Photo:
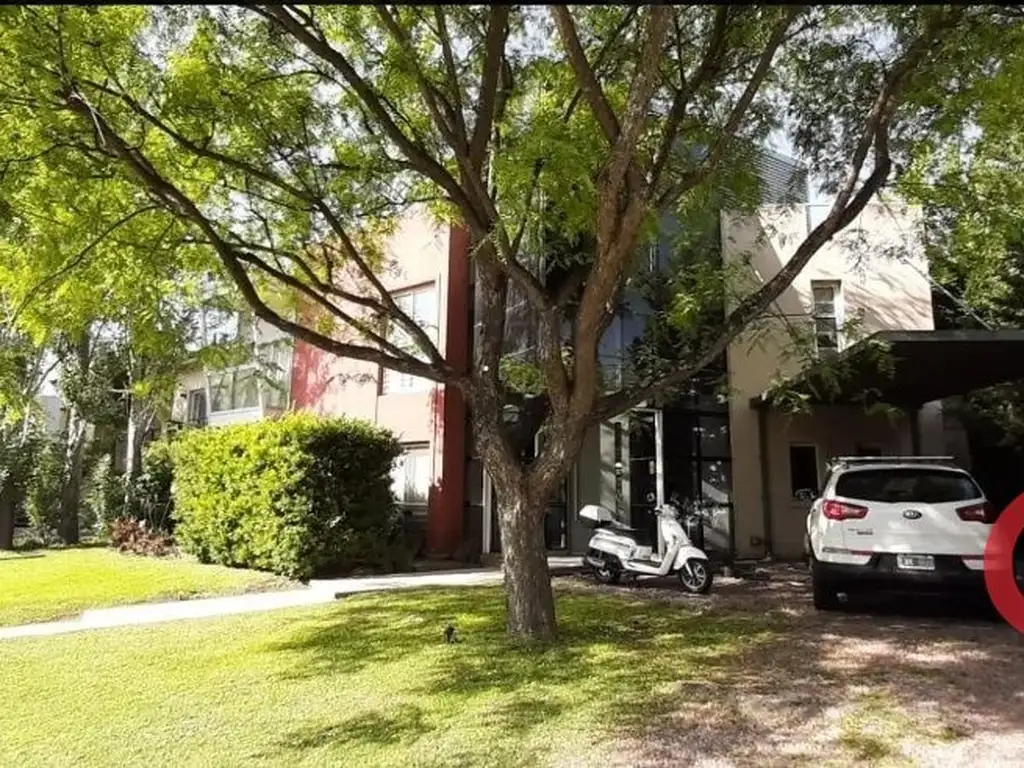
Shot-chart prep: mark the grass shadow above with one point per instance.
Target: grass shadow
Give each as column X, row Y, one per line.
column 611, row 658
column 402, row 723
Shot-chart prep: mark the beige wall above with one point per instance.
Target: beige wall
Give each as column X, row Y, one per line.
column 882, row 274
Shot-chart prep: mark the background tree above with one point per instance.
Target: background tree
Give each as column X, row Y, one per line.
column 23, row 369
column 287, row 139
column 970, row 184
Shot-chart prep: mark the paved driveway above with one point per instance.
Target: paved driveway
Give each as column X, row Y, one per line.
column 895, row 682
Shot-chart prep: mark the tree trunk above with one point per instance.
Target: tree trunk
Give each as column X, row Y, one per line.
column 530, row 603
column 8, row 504
column 133, row 449
column 71, row 493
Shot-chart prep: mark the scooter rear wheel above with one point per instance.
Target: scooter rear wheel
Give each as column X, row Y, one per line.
column 607, row 574
column 696, row 578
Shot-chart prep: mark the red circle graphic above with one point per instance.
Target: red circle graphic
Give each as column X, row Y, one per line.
column 999, row 577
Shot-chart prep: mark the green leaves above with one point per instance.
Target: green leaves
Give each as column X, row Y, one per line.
column 299, row 496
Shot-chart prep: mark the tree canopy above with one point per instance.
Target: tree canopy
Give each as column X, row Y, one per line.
column 283, row 142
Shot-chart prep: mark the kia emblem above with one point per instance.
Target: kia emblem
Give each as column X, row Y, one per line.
column 912, row 514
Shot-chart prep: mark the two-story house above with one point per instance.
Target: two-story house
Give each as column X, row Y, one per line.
column 733, row 450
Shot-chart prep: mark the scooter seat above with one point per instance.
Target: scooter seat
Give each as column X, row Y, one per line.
column 618, row 527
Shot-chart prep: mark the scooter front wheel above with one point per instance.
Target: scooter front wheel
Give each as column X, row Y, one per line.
column 695, row 576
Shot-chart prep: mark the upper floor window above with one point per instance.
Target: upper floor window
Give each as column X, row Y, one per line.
column 239, row 388
column 196, row 407
column 827, row 312
column 420, row 304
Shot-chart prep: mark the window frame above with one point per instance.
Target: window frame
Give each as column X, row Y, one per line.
column 196, row 411
column 836, row 316
column 252, row 369
column 391, row 382
column 424, row 452
column 818, row 484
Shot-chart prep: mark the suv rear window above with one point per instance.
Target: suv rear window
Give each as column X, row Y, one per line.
column 914, row 484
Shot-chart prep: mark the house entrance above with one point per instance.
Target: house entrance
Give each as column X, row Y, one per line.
column 683, row 449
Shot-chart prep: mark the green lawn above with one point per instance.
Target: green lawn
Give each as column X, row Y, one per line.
column 60, row 583
column 365, row 682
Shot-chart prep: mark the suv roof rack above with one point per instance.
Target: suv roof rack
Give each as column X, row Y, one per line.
column 892, row 460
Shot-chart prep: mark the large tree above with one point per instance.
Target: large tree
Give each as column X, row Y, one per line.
column 287, row 139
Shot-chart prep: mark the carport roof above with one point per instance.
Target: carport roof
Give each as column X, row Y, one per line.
column 921, row 366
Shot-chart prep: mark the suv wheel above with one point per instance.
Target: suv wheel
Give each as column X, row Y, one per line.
column 826, row 598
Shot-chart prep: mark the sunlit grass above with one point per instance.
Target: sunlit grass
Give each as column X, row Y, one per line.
column 52, row 584
column 369, row 681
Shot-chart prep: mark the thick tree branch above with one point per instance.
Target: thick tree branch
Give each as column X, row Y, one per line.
column 642, row 89
column 710, row 63
column 483, row 124
column 450, row 68
column 301, row 28
column 588, row 83
column 319, row 299
column 449, row 130
column 307, row 196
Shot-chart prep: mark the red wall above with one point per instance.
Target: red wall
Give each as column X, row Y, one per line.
column 444, row 523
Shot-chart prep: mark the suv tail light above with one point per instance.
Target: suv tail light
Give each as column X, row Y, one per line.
column 838, row 510
column 976, row 513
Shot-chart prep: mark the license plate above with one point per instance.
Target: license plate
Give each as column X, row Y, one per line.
column 915, row 562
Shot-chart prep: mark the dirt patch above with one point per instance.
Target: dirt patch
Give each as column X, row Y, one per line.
column 891, row 683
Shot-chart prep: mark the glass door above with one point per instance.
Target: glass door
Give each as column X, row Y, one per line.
column 645, row 471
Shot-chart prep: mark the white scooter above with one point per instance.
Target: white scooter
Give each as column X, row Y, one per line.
column 614, row 550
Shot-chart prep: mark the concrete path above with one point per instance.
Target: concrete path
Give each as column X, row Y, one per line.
column 319, row 591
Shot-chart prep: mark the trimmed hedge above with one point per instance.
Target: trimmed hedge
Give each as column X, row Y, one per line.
column 300, row 496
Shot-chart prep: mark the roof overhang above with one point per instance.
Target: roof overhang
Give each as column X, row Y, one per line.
column 910, row 368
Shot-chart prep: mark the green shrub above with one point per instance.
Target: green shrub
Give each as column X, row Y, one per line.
column 151, row 497
column 103, row 502
column 299, row 496
column 42, row 502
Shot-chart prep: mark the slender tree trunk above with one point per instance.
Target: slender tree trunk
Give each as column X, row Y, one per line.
column 71, row 493
column 133, row 449
column 74, row 452
column 8, row 505
column 530, row 602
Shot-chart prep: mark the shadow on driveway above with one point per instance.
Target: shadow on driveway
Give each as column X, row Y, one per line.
column 890, row 680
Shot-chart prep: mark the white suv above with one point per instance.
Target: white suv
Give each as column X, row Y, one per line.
column 896, row 522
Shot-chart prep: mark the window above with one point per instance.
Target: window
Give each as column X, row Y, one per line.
column 246, row 394
column 913, row 484
column 826, row 317
column 275, row 364
column 803, row 469
column 196, row 411
column 420, row 305
column 220, row 392
column 239, row 388
column 410, row 477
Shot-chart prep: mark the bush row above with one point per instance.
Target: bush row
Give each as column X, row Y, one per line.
column 300, row 496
